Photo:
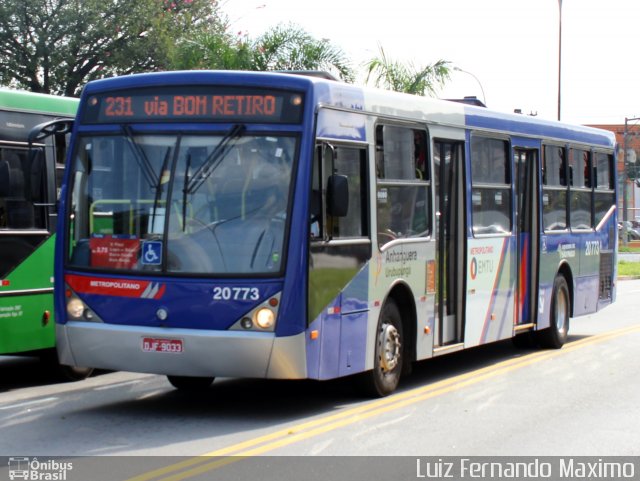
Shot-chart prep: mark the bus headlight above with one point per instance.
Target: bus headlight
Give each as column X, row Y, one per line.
column 265, row 318
column 261, row 318
column 75, row 308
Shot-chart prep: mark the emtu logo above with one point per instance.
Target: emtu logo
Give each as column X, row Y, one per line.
column 474, row 269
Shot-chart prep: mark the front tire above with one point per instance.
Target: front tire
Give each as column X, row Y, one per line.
column 62, row 372
column 384, row 378
column 73, row 373
column 555, row 335
column 188, row 383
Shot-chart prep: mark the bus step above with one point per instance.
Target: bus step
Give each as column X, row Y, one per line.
column 439, row 351
column 523, row 327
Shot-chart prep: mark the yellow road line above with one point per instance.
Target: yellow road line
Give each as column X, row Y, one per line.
column 285, row 437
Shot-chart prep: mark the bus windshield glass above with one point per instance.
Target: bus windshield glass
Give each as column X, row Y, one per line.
column 184, row 204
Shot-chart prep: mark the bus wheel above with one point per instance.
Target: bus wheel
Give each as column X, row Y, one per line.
column 74, row 373
column 61, row 372
column 188, row 383
column 556, row 334
column 383, row 379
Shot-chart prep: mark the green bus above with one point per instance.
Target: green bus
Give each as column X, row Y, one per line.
column 30, row 179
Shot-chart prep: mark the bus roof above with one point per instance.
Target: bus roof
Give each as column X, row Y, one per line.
column 331, row 93
column 23, row 101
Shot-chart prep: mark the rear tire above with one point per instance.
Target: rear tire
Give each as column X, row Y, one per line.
column 384, row 378
column 555, row 335
column 188, row 383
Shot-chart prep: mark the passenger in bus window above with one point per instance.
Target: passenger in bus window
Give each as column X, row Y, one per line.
column 587, row 169
column 497, row 172
column 562, row 166
column 420, row 154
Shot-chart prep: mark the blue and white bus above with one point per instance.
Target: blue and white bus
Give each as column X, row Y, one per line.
column 269, row 225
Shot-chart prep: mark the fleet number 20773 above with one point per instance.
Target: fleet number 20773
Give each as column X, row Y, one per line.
column 236, row 293
column 593, row 248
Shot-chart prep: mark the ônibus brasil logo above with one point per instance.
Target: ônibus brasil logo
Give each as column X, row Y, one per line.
column 32, row 469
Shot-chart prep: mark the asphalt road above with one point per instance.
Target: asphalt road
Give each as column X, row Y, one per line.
column 494, row 400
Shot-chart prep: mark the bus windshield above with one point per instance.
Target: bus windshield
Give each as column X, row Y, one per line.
column 192, row 204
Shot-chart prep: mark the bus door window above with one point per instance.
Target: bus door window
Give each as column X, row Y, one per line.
column 61, row 144
column 344, row 161
column 403, row 180
column 332, row 263
column 527, row 232
column 22, row 190
column 316, row 211
column 450, row 239
column 554, row 180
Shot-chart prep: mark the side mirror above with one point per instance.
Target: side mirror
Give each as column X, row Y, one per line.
column 47, row 129
column 338, row 195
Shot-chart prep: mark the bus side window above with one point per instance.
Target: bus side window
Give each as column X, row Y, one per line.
column 490, row 186
column 22, row 187
column 554, row 197
column 604, row 192
column 580, row 186
column 403, row 183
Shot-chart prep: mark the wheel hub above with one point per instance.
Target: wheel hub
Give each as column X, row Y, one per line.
column 389, row 347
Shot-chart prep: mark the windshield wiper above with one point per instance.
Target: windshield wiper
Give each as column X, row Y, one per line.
column 184, row 194
column 141, row 157
column 158, row 194
column 213, row 160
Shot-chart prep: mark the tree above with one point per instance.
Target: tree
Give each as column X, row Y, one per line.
column 283, row 47
column 400, row 77
column 288, row 47
column 55, row 46
column 213, row 49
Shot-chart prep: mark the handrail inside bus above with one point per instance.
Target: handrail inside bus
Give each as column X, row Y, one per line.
column 93, row 214
column 605, row 218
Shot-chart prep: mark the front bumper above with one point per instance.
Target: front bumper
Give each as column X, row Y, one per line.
column 205, row 353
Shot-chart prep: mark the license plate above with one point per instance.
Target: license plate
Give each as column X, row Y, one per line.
column 152, row 344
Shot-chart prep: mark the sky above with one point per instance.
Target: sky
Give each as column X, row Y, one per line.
column 507, row 49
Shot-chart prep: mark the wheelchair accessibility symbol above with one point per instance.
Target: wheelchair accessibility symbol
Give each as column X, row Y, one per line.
column 151, row 253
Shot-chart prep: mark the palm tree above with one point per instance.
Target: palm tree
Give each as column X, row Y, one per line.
column 393, row 75
column 283, row 47
column 289, row 47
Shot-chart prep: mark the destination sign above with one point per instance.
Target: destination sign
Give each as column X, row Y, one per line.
column 207, row 104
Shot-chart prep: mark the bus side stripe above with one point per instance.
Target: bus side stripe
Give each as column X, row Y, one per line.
column 494, row 293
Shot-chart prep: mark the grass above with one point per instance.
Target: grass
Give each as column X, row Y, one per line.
column 628, row 268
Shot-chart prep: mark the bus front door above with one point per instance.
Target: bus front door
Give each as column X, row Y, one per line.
column 450, row 238
column 527, row 232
